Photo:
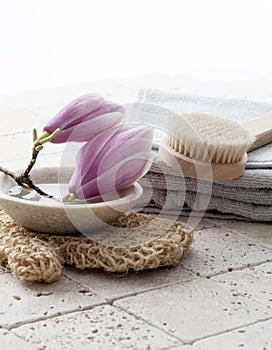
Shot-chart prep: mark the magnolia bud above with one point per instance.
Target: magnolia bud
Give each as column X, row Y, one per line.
column 112, row 161
column 84, row 118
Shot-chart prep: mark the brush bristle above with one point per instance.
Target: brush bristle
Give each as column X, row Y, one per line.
column 207, row 137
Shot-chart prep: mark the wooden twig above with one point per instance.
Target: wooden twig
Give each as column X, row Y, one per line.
column 24, row 179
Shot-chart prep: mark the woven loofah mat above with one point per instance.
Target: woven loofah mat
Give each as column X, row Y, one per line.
column 136, row 242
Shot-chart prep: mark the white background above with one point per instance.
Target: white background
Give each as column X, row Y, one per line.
column 57, row 42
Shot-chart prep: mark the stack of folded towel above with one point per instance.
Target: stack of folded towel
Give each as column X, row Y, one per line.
column 249, row 197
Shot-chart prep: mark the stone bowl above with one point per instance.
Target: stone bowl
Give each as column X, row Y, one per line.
column 56, row 217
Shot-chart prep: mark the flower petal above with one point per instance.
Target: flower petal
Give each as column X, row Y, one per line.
column 112, row 161
column 73, row 111
column 117, row 178
column 88, row 129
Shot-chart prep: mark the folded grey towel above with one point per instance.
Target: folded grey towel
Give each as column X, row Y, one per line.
column 249, row 197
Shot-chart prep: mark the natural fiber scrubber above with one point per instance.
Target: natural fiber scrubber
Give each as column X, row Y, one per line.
column 137, row 242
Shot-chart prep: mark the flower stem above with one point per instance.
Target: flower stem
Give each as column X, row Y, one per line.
column 38, row 146
column 35, row 153
column 8, row 172
column 27, row 182
column 24, row 179
column 69, row 197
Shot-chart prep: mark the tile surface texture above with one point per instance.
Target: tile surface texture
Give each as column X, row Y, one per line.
column 217, row 250
column 253, row 337
column 260, row 232
column 195, row 309
column 103, row 327
column 112, row 287
column 24, row 302
column 253, row 283
column 9, row 341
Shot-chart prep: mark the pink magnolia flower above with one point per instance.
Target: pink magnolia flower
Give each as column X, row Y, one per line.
column 112, row 161
column 83, row 118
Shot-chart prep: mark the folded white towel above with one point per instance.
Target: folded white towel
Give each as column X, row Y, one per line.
column 250, row 196
column 235, row 109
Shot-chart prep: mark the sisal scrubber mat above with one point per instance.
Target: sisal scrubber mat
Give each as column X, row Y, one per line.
column 136, row 242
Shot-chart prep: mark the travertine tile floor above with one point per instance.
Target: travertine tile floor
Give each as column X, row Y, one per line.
column 218, row 297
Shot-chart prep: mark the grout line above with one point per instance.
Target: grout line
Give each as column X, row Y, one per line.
column 226, row 286
column 184, row 342
column 60, row 313
column 155, row 288
column 14, row 133
column 212, row 335
column 27, row 158
column 254, row 240
column 242, row 269
column 148, row 322
column 228, row 331
column 235, row 268
column 132, row 294
column 57, row 314
column 112, row 300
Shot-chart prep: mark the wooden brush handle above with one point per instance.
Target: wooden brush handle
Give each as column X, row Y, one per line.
column 261, row 128
column 198, row 169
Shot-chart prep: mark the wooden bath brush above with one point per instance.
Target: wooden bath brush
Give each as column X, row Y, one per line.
column 213, row 148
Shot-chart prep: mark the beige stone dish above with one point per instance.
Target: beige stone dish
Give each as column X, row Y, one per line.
column 56, row 217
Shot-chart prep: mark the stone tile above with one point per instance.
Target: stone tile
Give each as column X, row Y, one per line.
column 260, row 232
column 19, row 146
column 254, row 282
column 22, row 302
column 103, row 327
column 15, row 164
column 9, row 341
column 51, row 155
column 257, row 336
column 195, row 309
column 112, row 286
column 24, row 113
column 24, row 119
column 207, row 223
column 16, row 146
column 194, row 221
column 217, row 250
column 44, row 160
